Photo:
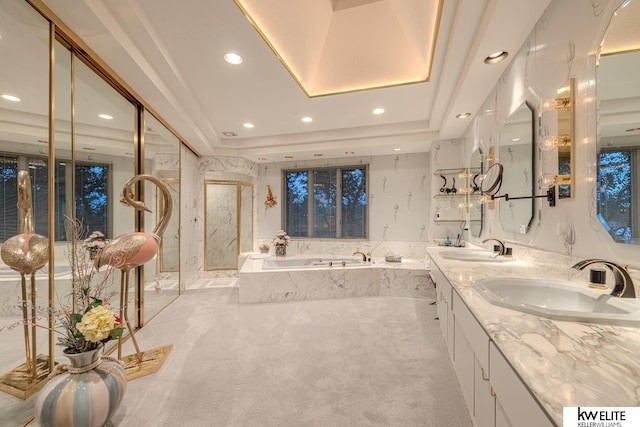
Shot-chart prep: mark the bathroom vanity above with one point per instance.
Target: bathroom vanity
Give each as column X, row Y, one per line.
column 516, row 368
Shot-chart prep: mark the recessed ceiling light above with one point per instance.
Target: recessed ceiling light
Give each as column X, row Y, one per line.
column 89, row 148
column 397, row 149
column 496, row 57
column 233, row 58
column 262, row 158
column 11, row 98
column 317, row 155
column 516, row 139
column 229, row 134
column 307, row 119
column 288, row 157
column 348, row 152
column 463, row 115
column 378, row 111
column 44, row 141
column 248, row 125
column 105, row 116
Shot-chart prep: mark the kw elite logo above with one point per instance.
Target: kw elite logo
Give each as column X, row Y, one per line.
column 601, row 417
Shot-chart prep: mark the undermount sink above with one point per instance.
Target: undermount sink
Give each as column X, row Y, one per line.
column 473, row 256
column 559, row 300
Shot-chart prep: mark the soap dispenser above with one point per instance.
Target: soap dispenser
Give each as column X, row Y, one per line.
column 447, row 241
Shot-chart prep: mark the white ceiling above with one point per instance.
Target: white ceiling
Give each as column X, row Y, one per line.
column 171, row 53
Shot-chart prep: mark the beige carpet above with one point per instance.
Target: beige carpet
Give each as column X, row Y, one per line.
column 348, row 362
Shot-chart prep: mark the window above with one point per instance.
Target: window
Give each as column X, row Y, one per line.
column 91, row 195
column 326, row 202
column 615, row 193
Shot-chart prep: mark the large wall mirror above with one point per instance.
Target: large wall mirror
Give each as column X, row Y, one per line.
column 162, row 160
column 77, row 169
column 618, row 100
column 24, row 138
column 475, row 210
column 516, row 156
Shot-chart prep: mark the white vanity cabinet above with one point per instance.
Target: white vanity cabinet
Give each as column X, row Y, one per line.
column 518, row 406
column 443, row 298
column 495, row 395
column 471, row 360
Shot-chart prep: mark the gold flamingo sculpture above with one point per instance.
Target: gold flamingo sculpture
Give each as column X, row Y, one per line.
column 132, row 250
column 26, row 253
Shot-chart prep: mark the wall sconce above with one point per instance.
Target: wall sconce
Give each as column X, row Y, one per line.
column 271, row 201
column 563, row 142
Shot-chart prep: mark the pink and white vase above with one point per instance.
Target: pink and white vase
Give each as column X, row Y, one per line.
column 88, row 398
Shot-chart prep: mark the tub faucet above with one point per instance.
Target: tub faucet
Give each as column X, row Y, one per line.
column 500, row 243
column 623, row 287
column 364, row 256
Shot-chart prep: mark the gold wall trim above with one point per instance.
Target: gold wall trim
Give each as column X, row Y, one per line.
column 51, row 201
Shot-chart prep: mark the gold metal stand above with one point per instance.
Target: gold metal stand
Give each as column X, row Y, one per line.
column 142, row 363
column 28, row 378
column 152, row 361
column 24, row 383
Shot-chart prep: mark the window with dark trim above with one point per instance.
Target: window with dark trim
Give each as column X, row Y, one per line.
column 326, row 202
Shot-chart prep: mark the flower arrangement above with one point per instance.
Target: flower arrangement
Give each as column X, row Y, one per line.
column 282, row 238
column 91, row 322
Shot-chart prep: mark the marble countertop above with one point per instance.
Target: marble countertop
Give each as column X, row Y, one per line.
column 562, row 363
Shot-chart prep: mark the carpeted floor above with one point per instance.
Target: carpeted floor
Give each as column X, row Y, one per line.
column 346, row 362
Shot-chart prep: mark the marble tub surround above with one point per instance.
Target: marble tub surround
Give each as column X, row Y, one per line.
column 408, row 278
column 563, row 364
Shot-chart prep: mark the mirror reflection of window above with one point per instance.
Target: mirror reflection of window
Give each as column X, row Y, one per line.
column 615, row 190
column 618, row 97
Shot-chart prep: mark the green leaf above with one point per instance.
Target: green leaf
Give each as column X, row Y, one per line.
column 116, row 333
column 75, row 318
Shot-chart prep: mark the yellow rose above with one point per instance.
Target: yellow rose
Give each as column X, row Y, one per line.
column 97, row 323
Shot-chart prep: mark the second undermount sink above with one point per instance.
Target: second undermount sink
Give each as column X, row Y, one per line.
column 559, row 300
column 473, row 255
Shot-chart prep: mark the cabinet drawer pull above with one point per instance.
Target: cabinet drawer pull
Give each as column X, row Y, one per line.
column 484, row 377
column 493, row 393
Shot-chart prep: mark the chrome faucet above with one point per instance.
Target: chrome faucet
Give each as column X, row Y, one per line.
column 364, row 256
column 500, row 243
column 623, row 287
